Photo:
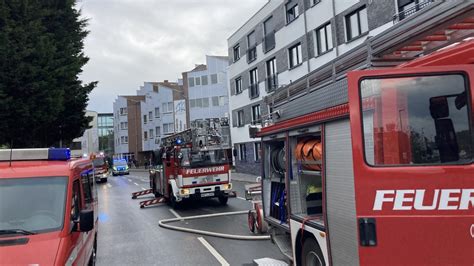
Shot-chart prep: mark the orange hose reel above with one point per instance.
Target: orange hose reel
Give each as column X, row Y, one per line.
column 309, row 150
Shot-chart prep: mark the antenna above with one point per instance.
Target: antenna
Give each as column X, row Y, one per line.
column 11, row 152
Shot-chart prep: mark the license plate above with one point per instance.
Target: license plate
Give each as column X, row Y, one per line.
column 203, row 195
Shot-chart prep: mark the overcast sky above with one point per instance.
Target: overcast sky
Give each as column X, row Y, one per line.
column 132, row 41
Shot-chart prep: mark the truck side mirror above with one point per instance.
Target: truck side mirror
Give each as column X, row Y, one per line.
column 86, row 220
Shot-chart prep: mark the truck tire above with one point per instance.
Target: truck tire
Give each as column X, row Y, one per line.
column 173, row 203
column 311, row 253
column 223, row 200
column 251, row 221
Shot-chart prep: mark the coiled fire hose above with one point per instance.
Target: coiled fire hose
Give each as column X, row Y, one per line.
column 164, row 223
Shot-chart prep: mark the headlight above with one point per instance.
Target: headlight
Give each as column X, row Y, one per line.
column 227, row 186
column 184, row 191
column 115, row 168
column 126, row 167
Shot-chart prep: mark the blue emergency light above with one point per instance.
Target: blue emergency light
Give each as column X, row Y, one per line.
column 179, row 141
column 59, row 154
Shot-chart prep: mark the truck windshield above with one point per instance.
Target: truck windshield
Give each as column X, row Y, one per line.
column 33, row 204
column 120, row 163
column 204, row 158
column 98, row 162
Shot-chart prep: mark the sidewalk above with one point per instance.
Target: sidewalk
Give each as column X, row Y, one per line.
column 234, row 175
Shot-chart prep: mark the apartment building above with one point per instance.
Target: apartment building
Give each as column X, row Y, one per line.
column 89, row 141
column 206, row 89
column 142, row 120
column 287, row 39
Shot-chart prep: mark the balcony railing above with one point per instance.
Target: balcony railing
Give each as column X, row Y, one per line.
column 272, row 83
column 253, row 91
column 252, row 54
column 412, row 10
column 269, row 42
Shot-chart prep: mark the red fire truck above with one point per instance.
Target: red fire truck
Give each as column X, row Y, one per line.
column 48, row 208
column 375, row 166
column 191, row 164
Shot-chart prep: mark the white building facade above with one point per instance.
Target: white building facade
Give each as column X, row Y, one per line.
column 206, row 87
column 283, row 42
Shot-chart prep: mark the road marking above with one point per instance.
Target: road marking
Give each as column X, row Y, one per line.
column 175, row 213
column 143, row 188
column 213, row 251
column 129, row 180
column 241, row 198
column 109, row 185
column 136, row 184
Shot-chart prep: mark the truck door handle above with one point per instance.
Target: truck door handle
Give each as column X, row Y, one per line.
column 367, row 232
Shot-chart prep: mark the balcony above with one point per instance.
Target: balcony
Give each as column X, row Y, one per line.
column 411, row 10
column 253, row 91
column 252, row 54
column 269, row 42
column 271, row 83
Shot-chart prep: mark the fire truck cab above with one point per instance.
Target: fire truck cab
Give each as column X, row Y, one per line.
column 376, row 166
column 48, row 207
column 194, row 163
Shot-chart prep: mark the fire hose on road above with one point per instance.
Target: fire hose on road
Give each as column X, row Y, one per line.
column 164, row 224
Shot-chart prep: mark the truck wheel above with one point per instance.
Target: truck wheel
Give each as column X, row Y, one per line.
column 251, row 221
column 173, row 203
column 223, row 200
column 311, row 253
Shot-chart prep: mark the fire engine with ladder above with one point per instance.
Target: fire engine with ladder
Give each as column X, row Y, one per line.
column 368, row 160
column 192, row 164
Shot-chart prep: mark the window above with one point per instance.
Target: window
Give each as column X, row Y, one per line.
column 167, row 107
column 124, row 139
column 145, row 135
column 123, row 125
column 221, row 100
column 158, row 131
column 292, row 11
column 168, row 128
column 252, row 47
column 150, row 116
column 356, row 23
column 314, row 2
column 214, row 79
column 215, row 101
column 152, row 135
column 157, row 112
column 238, row 85
column 204, row 80
column 199, row 102
column 76, row 201
column 295, row 55
column 417, row 120
column 86, row 187
column 256, row 113
column 324, row 39
column 236, row 52
column 253, row 90
column 242, row 152
column 240, row 118
column 205, row 102
column 123, row 111
column 191, row 82
column 269, row 34
column 407, row 8
column 272, row 79
column 192, row 103
column 144, row 119
column 198, row 81
column 257, row 150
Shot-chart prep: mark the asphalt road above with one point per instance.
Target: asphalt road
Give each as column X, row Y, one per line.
column 129, row 235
